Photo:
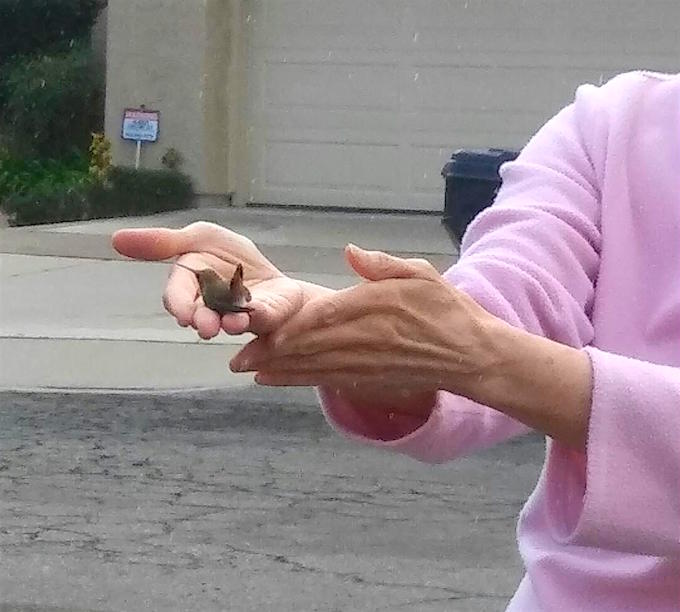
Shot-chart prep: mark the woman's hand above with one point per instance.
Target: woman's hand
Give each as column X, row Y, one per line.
column 407, row 329
column 276, row 297
column 391, row 344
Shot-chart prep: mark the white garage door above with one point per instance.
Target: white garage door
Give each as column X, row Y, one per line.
column 359, row 103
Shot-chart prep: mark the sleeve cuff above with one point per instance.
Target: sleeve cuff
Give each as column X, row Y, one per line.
column 400, row 433
column 624, row 493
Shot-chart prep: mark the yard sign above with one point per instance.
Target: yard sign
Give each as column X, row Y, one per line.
column 140, row 125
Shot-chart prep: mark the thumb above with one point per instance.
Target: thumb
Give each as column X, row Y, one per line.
column 158, row 243
column 378, row 265
column 148, row 243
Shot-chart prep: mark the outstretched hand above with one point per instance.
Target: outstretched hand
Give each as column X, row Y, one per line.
column 275, row 296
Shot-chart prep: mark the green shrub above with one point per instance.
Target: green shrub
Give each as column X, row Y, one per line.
column 42, row 26
column 20, row 176
column 44, row 191
column 140, row 192
column 34, row 191
column 53, row 206
column 52, row 104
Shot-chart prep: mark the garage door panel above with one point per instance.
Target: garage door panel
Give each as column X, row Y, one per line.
column 442, row 126
column 331, row 86
column 425, row 166
column 338, row 125
column 574, row 15
column 346, row 166
column 359, row 199
column 380, row 14
column 469, row 88
column 303, row 38
column 305, row 24
column 360, row 103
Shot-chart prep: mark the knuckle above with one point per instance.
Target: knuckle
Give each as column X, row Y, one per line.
column 384, row 260
column 422, row 265
column 202, row 233
column 200, row 226
column 328, row 314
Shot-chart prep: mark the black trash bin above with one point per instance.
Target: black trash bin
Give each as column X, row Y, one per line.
column 472, row 181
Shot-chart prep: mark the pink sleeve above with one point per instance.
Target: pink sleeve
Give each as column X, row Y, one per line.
column 630, row 500
column 530, row 259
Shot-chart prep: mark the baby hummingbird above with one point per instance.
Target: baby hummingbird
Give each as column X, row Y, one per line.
column 218, row 294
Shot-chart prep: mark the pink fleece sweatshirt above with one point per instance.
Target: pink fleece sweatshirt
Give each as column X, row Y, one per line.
column 583, row 246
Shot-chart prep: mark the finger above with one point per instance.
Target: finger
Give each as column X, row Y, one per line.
column 352, row 359
column 327, row 313
column 253, row 351
column 206, row 322
column 160, row 243
column 378, row 265
column 315, row 378
column 181, row 295
column 364, row 334
column 236, row 323
column 150, row 244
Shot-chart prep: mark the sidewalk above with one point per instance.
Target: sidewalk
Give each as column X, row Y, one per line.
column 74, row 314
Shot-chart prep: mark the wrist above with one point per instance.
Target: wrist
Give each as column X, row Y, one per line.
column 475, row 371
column 544, row 384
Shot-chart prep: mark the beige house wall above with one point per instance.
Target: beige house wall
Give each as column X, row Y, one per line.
column 182, row 58
column 248, row 95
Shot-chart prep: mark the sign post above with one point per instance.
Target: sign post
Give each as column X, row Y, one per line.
column 140, row 125
column 138, row 154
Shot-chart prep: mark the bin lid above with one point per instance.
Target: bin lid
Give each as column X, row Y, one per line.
column 478, row 163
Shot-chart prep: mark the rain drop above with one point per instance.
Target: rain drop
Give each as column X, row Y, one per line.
column 416, row 76
column 416, row 36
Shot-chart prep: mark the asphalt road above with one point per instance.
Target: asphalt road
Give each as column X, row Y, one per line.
column 243, row 500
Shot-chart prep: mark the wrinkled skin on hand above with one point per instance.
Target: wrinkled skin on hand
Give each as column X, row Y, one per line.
column 407, row 328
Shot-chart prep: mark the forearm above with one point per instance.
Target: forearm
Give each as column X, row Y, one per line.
column 538, row 382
